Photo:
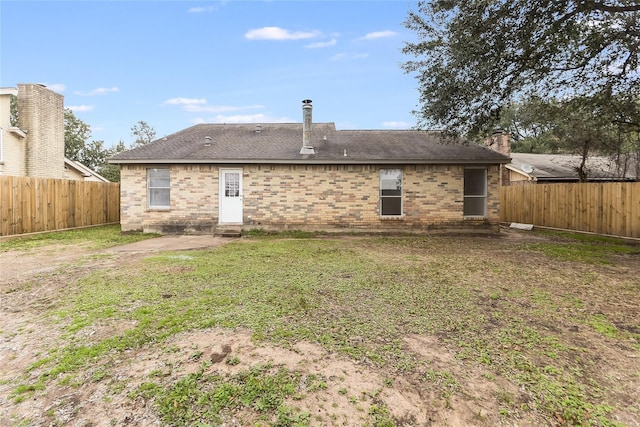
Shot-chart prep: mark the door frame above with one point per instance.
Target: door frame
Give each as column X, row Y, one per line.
column 237, row 217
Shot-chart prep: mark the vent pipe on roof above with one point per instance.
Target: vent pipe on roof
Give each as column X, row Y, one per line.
column 306, row 127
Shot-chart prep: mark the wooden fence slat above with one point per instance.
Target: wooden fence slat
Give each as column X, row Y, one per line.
column 6, row 206
column 30, row 204
column 605, row 208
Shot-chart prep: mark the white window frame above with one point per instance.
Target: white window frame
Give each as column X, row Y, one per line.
column 383, row 197
column 167, row 188
column 469, row 197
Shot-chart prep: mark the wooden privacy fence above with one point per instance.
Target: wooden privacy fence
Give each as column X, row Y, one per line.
column 604, row 208
column 29, row 205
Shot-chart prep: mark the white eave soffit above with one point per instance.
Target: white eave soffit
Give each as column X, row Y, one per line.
column 19, row 132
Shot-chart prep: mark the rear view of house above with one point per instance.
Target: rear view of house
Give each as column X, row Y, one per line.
column 308, row 176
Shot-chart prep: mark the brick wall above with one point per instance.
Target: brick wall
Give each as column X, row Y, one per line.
column 310, row 197
column 14, row 154
column 500, row 141
column 42, row 117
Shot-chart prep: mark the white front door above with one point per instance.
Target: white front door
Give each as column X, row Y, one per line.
column 230, row 196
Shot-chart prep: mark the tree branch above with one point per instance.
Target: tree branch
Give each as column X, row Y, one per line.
column 602, row 7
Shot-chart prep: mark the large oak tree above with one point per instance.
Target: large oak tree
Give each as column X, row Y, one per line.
column 473, row 58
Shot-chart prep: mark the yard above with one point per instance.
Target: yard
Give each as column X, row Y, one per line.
column 526, row 328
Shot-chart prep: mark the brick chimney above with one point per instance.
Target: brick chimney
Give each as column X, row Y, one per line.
column 41, row 117
column 306, row 127
column 500, row 141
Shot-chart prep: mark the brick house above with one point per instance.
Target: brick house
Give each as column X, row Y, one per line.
column 308, row 176
column 35, row 145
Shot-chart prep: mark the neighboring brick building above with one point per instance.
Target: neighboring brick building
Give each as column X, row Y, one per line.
column 310, row 177
column 35, row 147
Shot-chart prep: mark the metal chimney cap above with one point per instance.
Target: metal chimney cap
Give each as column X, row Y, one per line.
column 306, row 101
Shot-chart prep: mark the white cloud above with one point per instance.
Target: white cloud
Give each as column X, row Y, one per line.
column 276, row 33
column 339, row 56
column 250, row 118
column 218, row 108
column 56, row 87
column 317, row 45
column 77, row 108
column 185, row 101
column 201, row 9
column 392, row 124
column 198, row 121
column 242, row 118
column 342, row 56
column 378, row 35
column 198, row 105
column 98, row 91
column 210, row 8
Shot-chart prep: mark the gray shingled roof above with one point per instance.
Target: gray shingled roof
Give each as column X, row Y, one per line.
column 281, row 143
column 563, row 167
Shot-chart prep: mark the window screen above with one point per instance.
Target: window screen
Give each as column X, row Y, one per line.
column 475, row 192
column 390, row 192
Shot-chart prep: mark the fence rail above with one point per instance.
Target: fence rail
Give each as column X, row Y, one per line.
column 602, row 208
column 29, row 205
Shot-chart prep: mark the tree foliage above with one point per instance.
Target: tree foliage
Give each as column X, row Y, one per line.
column 473, row 58
column 108, row 170
column 582, row 126
column 530, row 124
column 143, row 133
column 13, row 111
column 76, row 135
column 93, row 154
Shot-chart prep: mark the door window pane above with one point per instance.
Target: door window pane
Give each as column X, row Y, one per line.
column 232, row 184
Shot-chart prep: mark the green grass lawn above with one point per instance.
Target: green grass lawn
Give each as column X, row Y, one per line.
column 99, row 237
column 508, row 307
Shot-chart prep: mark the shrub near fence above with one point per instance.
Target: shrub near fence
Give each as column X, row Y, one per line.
column 604, row 208
column 29, row 205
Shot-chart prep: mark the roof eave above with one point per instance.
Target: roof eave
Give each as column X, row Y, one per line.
column 314, row 161
column 515, row 169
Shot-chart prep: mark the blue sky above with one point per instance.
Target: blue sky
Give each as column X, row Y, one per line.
column 174, row 64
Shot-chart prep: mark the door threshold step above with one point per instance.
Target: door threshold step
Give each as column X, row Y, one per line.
column 228, row 232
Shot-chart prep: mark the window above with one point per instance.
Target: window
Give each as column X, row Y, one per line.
column 158, row 185
column 232, row 184
column 475, row 192
column 390, row 192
